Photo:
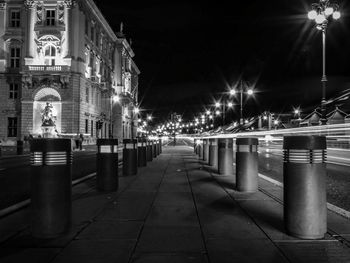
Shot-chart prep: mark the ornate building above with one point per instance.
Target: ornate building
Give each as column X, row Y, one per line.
column 63, row 52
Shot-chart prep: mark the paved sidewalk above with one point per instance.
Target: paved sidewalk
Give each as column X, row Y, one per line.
column 177, row 210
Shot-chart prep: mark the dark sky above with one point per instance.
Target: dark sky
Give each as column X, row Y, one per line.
column 190, row 52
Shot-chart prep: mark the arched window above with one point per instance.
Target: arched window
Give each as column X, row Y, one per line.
column 50, row 55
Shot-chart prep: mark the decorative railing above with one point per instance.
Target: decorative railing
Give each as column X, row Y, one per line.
column 48, row 68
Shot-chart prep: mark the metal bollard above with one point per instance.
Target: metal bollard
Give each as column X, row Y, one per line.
column 51, row 187
column 200, row 149
column 130, row 157
column 304, row 176
column 157, row 147
column 213, row 152
column 107, row 165
column 154, row 149
column 149, row 151
column 20, row 147
column 247, row 164
column 225, row 157
column 142, row 152
column 206, row 150
column 195, row 149
column 160, row 146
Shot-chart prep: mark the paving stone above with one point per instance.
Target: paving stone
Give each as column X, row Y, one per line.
column 131, row 210
column 244, row 251
column 170, row 258
column 104, row 230
column 174, row 199
column 172, row 216
column 171, row 187
column 250, row 196
column 170, row 239
column 316, row 252
column 96, row 251
column 28, row 255
column 229, row 226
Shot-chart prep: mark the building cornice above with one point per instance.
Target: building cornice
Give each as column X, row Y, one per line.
column 98, row 15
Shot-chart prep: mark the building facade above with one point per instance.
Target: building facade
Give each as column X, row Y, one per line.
column 63, row 54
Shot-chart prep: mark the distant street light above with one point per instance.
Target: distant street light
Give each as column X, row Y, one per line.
column 321, row 13
column 241, row 91
column 223, row 105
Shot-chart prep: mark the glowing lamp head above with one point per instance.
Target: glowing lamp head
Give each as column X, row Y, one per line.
column 328, row 11
column 217, row 113
column 208, row 112
column 250, row 92
column 336, row 15
column 296, row 112
column 320, row 19
column 230, row 104
column 276, row 122
column 116, row 98
column 217, row 104
column 265, row 118
column 232, row 92
column 210, row 117
column 137, row 110
column 312, row 15
column 149, row 118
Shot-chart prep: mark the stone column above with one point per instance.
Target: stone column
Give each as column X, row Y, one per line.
column 69, row 4
column 30, row 5
column 2, row 29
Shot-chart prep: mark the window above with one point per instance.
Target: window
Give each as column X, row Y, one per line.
column 92, row 128
column 86, row 126
column 101, row 42
column 50, row 55
column 15, row 18
column 13, row 91
column 87, row 27
column 98, row 99
column 12, row 127
column 15, row 56
column 50, row 17
column 87, row 93
column 92, row 96
column 92, row 34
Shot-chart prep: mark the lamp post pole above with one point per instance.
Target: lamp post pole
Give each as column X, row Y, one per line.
column 324, row 77
column 241, row 103
column 321, row 13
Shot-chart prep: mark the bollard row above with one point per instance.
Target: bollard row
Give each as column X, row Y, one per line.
column 51, row 177
column 304, row 176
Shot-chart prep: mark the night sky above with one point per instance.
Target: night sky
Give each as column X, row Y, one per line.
column 190, row 53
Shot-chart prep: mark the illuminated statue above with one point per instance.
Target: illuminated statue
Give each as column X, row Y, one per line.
column 48, row 125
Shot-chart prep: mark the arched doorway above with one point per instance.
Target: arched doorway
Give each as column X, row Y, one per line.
column 41, row 98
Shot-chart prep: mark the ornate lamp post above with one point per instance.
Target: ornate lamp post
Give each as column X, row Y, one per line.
column 321, row 13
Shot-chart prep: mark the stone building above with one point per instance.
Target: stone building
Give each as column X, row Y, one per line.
column 63, row 52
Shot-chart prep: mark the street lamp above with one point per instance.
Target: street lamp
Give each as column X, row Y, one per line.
column 223, row 105
column 241, row 91
column 321, row 13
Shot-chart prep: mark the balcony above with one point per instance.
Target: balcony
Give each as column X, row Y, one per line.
column 50, row 69
column 126, row 97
